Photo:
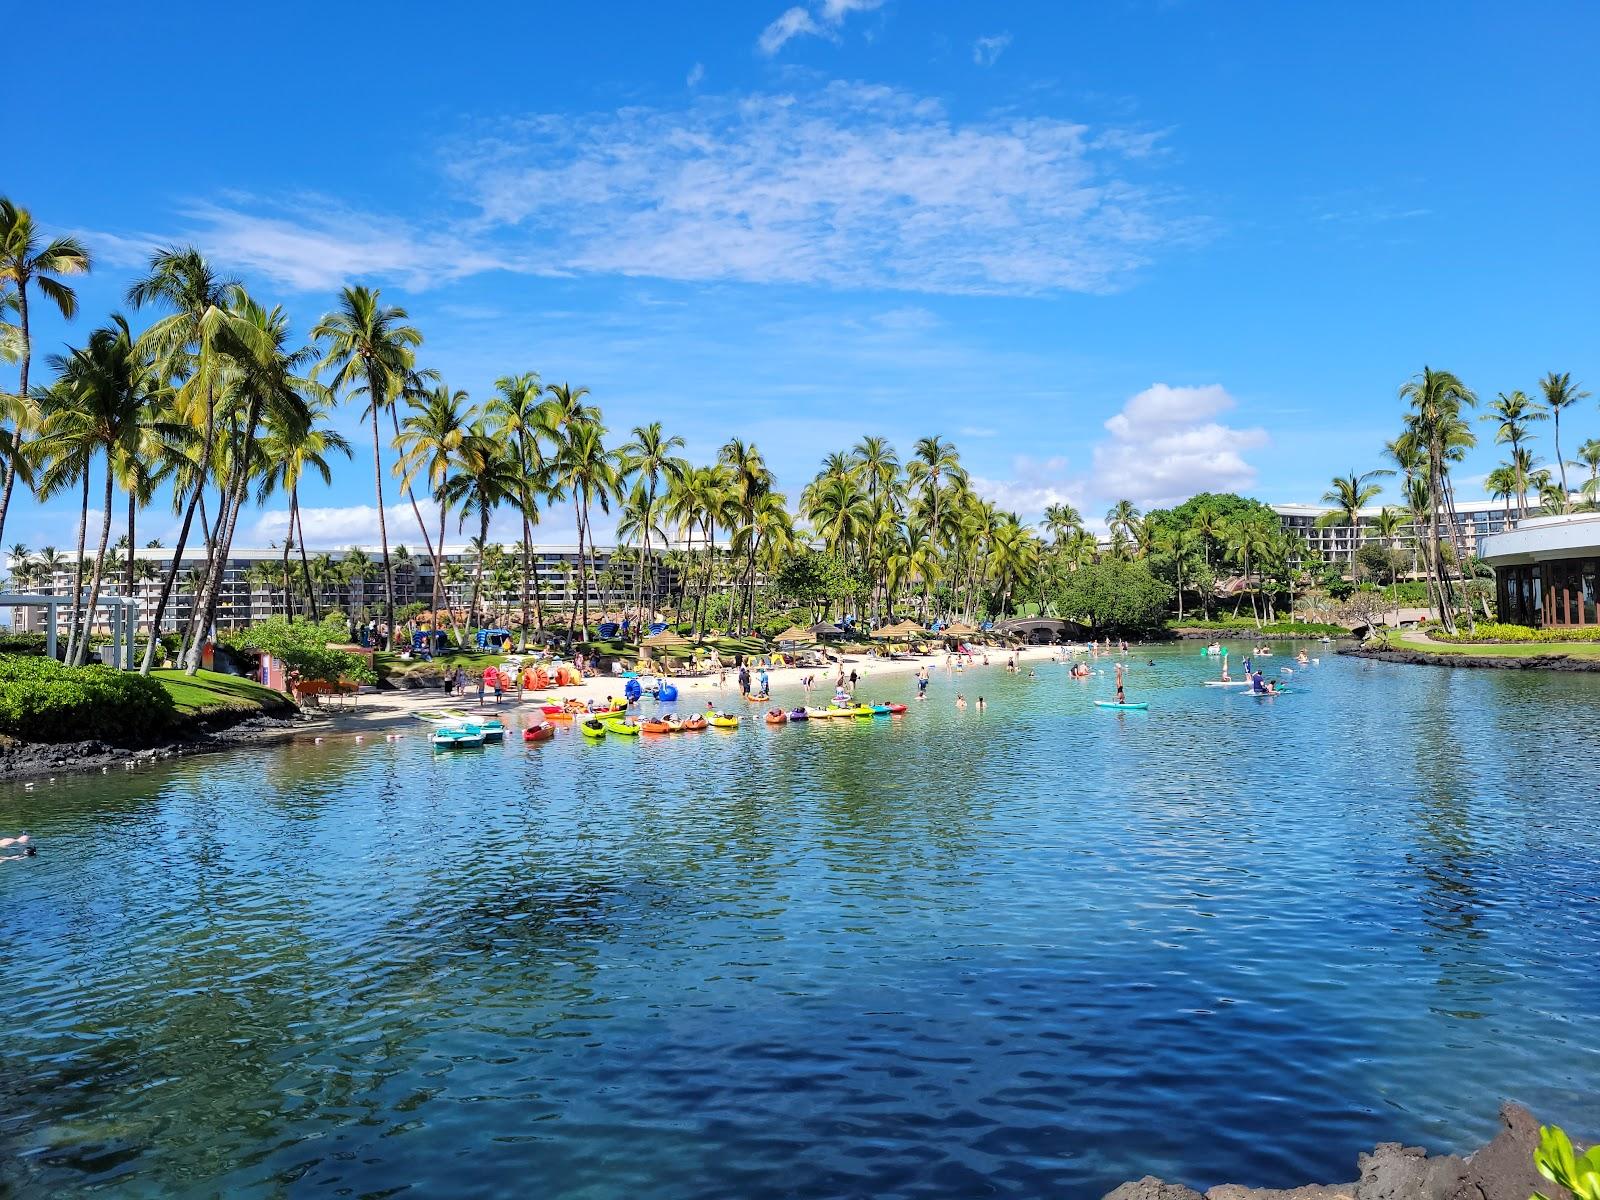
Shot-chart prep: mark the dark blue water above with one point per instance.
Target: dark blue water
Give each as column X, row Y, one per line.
column 1032, row 952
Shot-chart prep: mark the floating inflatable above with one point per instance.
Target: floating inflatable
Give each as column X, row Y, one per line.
column 776, row 716
column 621, row 727
column 723, row 721
column 694, row 724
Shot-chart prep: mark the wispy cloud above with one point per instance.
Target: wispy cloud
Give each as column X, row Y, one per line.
column 1035, row 485
column 1165, row 445
column 976, row 431
column 987, row 50
column 820, row 20
column 845, row 186
column 697, row 74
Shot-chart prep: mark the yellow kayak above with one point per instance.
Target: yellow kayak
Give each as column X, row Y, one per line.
column 723, row 721
column 820, row 714
column 618, row 725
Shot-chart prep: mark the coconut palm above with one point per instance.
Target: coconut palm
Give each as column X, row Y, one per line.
column 517, row 413
column 749, row 480
column 1512, row 413
column 488, row 477
column 651, row 458
column 1560, row 393
column 583, row 468
column 371, row 352
column 934, row 462
column 1589, row 456
column 26, row 258
column 294, row 442
column 20, row 563
column 1122, row 522
column 1348, row 495
column 1439, row 434
column 430, row 443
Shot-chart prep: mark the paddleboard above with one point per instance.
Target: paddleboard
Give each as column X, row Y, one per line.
column 1230, row 683
column 1114, row 704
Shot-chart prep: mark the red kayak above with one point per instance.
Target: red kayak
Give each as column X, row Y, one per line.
column 538, row 733
column 896, row 709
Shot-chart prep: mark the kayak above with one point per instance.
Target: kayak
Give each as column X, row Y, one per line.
column 538, row 733
column 655, row 725
column 880, row 710
column 895, row 709
column 593, row 729
column 1267, row 695
column 723, row 721
column 862, row 710
column 619, row 726
column 819, row 714
column 673, row 724
column 1127, row 707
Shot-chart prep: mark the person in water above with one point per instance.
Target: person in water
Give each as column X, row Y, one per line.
column 1256, row 684
column 961, row 701
column 982, row 704
column 1121, row 696
column 23, row 849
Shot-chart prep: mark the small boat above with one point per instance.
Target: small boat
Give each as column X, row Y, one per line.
column 723, row 721
column 592, row 728
column 1143, row 704
column 895, row 709
column 493, row 730
column 456, row 737
column 860, row 710
column 880, row 710
column 621, row 726
column 776, row 716
column 799, row 714
column 819, row 714
column 655, row 725
column 539, row 733
column 694, row 724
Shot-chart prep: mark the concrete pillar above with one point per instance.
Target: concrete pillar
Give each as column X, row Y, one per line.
column 50, row 634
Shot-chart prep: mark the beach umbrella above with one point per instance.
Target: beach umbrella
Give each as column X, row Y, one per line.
column 665, row 640
column 957, row 630
column 826, row 629
column 901, row 630
column 795, row 634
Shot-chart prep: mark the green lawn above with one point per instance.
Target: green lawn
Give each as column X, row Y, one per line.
column 1411, row 640
column 208, row 691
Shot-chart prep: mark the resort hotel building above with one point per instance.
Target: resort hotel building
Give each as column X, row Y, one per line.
column 1476, row 521
column 252, row 589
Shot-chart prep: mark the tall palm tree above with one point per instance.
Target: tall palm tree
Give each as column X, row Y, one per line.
column 430, row 443
column 488, row 478
column 97, row 408
column 1589, row 456
column 1348, row 495
column 749, row 480
column 650, row 458
column 1440, row 434
column 372, row 353
column 934, row 462
column 1512, row 414
column 294, row 442
column 517, row 412
column 1122, row 523
column 586, row 470
column 25, row 257
column 185, row 342
column 1560, row 393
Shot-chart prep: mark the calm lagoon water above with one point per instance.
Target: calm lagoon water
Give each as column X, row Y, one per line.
column 1031, row 953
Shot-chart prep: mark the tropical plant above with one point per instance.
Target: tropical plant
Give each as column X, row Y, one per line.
column 1560, row 394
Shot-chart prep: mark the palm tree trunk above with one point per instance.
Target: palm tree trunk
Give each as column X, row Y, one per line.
column 132, row 516
column 171, row 579
column 305, row 561
column 527, row 569
column 477, row 575
column 99, row 564
column 77, row 574
column 383, row 525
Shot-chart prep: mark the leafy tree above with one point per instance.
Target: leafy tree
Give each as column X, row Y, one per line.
column 1114, row 596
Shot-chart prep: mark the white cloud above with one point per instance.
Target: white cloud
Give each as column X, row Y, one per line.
column 976, row 431
column 986, row 50
column 846, row 185
column 1034, row 486
column 696, row 74
column 793, row 23
column 339, row 527
column 799, row 21
column 1165, row 445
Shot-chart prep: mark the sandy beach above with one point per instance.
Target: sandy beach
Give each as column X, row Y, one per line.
column 388, row 709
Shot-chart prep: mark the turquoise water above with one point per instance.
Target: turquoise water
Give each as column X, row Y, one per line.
column 1031, row 952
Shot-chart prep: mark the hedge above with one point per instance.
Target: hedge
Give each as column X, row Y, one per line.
column 1244, row 626
column 1491, row 631
column 43, row 701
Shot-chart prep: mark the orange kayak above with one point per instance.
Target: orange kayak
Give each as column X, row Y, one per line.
column 694, row 724
column 655, row 726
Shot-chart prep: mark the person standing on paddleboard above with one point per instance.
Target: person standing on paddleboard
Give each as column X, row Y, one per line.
column 1121, row 698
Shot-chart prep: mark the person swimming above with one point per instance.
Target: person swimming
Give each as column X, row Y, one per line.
column 981, row 704
column 24, row 850
column 961, row 701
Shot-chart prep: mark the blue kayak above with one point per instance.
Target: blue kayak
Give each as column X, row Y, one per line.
column 1125, row 707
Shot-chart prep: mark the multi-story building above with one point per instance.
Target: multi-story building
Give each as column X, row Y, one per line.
column 248, row 596
column 1475, row 521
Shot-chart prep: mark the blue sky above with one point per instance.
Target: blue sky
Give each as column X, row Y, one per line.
column 1112, row 249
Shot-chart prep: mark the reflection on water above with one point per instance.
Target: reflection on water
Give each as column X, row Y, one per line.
column 1037, row 951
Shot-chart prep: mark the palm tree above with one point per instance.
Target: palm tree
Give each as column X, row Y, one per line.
column 1439, row 434
column 97, row 407
column 371, row 352
column 26, row 258
column 487, row 479
column 1122, row 523
column 933, row 462
column 1349, row 494
column 518, row 414
column 749, row 481
column 185, row 342
column 1513, row 413
column 1589, row 456
column 21, row 565
column 294, row 442
column 1560, row 393
column 430, row 443
column 586, row 470
column 650, row 459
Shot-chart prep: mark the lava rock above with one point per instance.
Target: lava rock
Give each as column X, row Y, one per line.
column 1151, row 1188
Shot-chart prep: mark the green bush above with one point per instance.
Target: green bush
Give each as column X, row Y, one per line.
column 303, row 648
column 1560, row 1164
column 15, row 641
column 43, row 701
column 1492, row 631
column 1243, row 626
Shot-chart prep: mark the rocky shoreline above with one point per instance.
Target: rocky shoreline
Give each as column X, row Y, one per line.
column 1423, row 658
column 1501, row 1170
column 21, row 760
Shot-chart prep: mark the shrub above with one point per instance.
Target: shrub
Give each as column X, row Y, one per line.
column 15, row 641
column 1493, row 631
column 1245, row 626
column 43, row 701
column 1558, row 1163
column 303, row 648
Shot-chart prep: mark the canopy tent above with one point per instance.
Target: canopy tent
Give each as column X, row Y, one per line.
column 795, row 634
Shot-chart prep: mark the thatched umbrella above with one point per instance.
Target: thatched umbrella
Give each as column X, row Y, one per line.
column 665, row 640
column 957, row 630
column 827, row 629
column 795, row 634
column 901, row 631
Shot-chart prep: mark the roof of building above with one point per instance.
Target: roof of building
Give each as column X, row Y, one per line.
column 1575, row 535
